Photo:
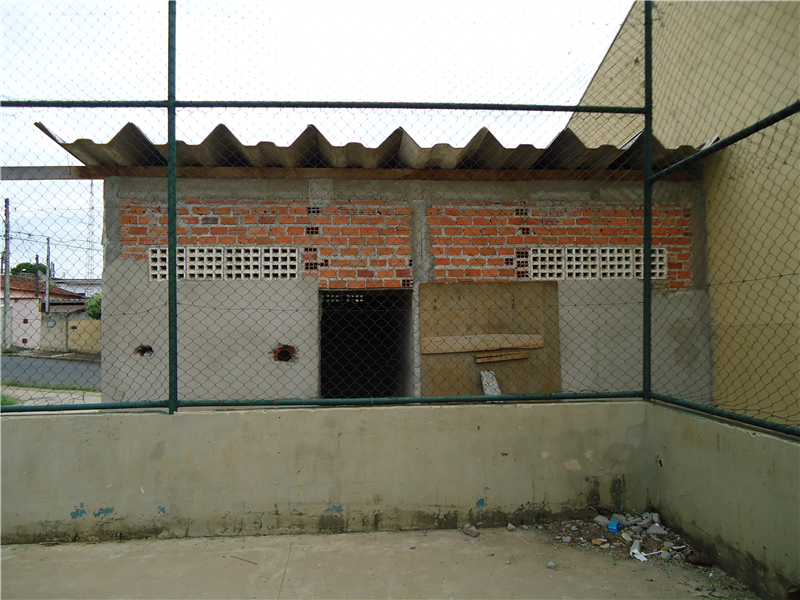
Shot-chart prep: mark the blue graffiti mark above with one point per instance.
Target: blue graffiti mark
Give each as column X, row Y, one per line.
column 335, row 508
column 103, row 512
column 481, row 502
column 162, row 510
column 78, row 512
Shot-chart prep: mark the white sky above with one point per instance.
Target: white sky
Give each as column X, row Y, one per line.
column 445, row 51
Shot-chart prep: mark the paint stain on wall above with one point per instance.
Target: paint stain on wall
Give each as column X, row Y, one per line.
column 573, row 465
column 162, row 510
column 78, row 512
column 101, row 512
column 481, row 502
column 337, row 508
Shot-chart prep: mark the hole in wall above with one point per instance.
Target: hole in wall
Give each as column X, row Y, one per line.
column 284, row 353
column 143, row 350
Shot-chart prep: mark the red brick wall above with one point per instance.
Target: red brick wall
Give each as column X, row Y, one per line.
column 477, row 243
column 366, row 244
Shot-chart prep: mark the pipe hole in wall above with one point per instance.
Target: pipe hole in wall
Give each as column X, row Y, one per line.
column 284, row 353
column 145, row 351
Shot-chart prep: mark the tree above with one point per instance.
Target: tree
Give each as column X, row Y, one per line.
column 29, row 268
column 93, row 306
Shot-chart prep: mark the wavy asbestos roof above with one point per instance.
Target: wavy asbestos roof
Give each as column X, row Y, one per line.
column 130, row 147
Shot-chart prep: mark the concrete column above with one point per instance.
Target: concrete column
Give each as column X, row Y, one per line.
column 422, row 270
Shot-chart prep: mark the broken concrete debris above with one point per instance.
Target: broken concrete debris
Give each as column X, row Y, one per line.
column 470, row 530
column 630, row 539
column 511, row 527
column 620, row 519
column 551, row 565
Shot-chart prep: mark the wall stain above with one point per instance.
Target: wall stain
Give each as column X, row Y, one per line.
column 618, row 489
column 594, row 493
column 162, row 510
column 337, row 508
column 332, row 524
column 103, row 512
column 78, row 512
column 480, row 503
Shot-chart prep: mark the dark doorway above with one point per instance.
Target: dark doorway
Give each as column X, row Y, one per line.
column 364, row 336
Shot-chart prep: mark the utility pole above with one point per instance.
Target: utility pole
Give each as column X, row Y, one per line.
column 47, row 283
column 7, row 280
column 38, row 295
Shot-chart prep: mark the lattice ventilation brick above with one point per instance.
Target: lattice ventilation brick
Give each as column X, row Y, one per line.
column 242, row 263
column 549, row 263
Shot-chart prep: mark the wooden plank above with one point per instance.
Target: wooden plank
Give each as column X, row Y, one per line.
column 503, row 175
column 501, row 356
column 477, row 343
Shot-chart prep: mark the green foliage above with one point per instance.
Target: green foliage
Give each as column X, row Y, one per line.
column 8, row 400
column 29, row 268
column 93, row 307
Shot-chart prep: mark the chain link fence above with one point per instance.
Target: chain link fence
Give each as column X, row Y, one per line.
column 481, row 230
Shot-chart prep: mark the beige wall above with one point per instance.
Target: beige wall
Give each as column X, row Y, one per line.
column 732, row 490
column 84, row 333
column 718, row 67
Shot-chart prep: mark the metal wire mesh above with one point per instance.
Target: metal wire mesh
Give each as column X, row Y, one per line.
column 359, row 253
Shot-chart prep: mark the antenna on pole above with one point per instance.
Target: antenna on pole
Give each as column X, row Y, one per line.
column 90, row 238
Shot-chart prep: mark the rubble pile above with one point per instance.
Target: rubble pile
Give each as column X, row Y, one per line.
column 620, row 533
column 645, row 538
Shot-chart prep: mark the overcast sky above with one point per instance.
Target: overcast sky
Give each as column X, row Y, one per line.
column 472, row 52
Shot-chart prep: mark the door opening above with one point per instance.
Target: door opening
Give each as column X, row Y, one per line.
column 364, row 337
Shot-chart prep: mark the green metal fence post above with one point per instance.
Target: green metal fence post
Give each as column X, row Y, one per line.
column 648, row 201
column 172, row 217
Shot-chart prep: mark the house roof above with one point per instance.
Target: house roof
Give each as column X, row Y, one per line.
column 21, row 283
column 130, row 147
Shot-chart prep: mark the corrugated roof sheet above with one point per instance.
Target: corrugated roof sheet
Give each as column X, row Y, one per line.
column 130, row 147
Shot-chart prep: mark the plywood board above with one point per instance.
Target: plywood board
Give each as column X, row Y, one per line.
column 497, row 310
column 477, row 343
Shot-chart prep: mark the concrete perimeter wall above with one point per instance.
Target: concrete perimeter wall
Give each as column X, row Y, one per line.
column 309, row 470
column 733, row 491
column 272, row 471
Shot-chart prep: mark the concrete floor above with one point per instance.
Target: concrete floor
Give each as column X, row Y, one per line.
column 443, row 564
